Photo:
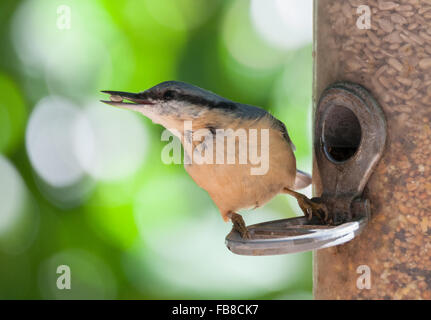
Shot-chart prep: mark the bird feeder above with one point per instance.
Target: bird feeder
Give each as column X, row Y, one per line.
column 372, row 154
column 384, row 46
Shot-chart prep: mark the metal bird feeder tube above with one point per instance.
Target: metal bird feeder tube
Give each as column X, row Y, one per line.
column 391, row 57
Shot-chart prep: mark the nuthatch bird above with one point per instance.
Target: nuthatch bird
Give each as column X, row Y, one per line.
column 231, row 186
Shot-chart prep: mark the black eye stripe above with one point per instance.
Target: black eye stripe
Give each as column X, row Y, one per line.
column 169, row 94
column 175, row 95
column 225, row 105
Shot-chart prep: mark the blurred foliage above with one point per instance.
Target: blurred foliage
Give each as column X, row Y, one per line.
column 145, row 231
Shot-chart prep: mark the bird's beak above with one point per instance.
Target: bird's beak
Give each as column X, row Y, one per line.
column 118, row 97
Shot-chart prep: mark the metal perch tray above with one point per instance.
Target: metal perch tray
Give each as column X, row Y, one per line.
column 292, row 235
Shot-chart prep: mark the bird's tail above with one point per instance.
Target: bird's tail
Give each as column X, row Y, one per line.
column 302, row 180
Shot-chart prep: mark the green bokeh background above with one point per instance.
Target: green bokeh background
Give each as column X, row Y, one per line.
column 150, row 232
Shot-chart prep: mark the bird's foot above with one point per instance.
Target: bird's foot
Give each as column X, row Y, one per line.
column 239, row 225
column 311, row 207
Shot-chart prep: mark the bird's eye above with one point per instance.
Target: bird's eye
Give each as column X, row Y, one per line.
column 169, row 95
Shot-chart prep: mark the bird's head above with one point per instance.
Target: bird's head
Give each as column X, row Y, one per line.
column 171, row 103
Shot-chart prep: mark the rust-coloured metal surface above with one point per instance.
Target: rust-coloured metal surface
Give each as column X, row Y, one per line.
column 392, row 60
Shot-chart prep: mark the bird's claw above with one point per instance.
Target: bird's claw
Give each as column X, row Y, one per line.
column 312, row 208
column 239, row 225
